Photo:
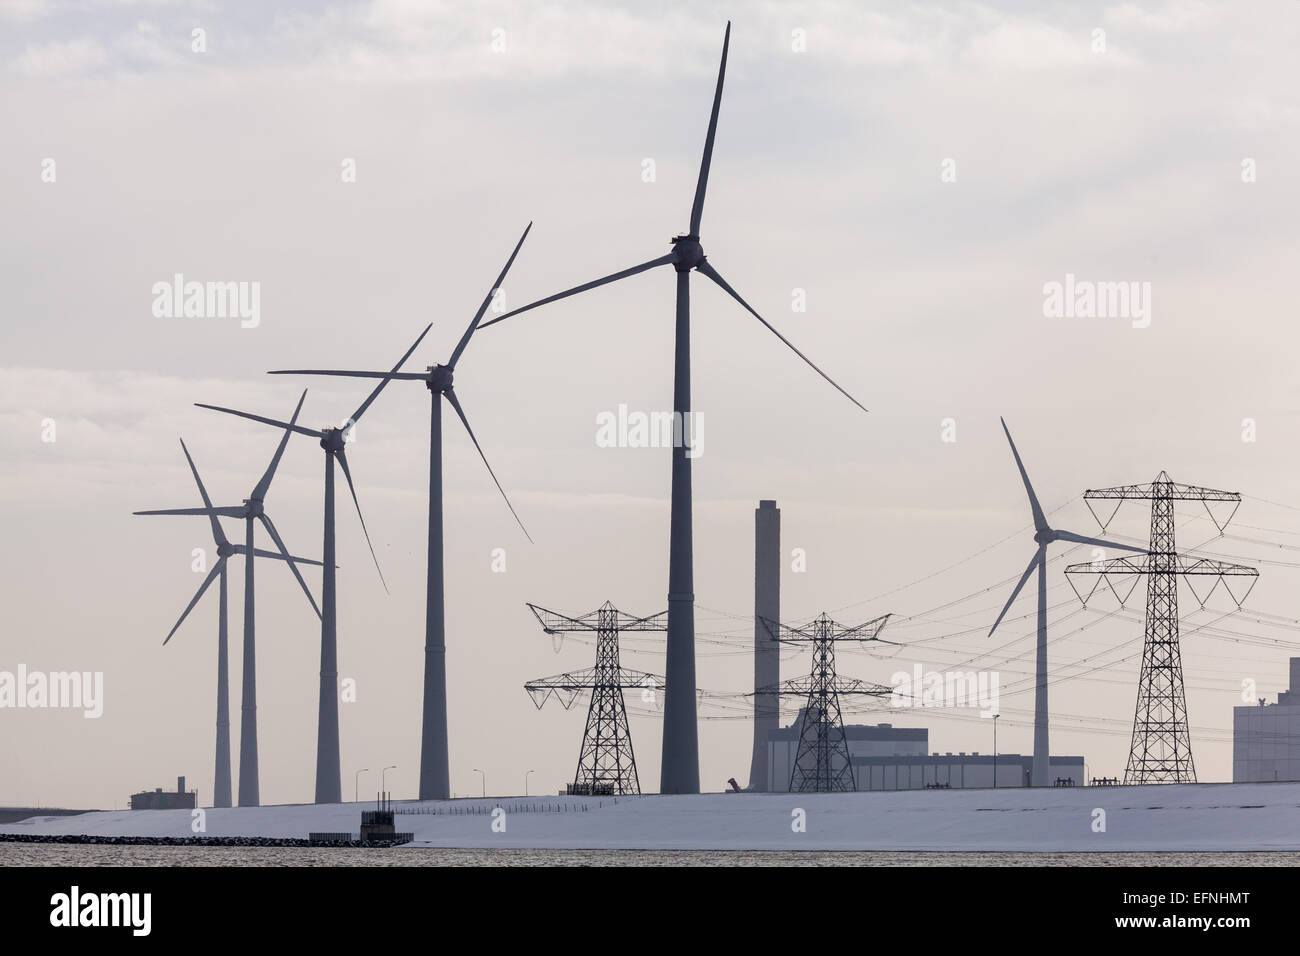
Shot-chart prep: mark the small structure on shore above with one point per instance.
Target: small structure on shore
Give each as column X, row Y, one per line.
column 377, row 829
column 158, row 800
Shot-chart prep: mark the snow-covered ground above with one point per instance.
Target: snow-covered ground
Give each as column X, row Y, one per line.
column 1182, row 817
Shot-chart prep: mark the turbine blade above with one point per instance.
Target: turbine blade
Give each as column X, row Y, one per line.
column 1040, row 521
column 1098, row 542
column 713, row 274
column 1033, row 563
column 464, row 339
column 661, row 261
column 455, row 403
column 343, row 463
column 260, row 491
column 388, row 378
column 301, row 430
column 697, row 210
column 224, row 512
column 275, row 555
column 218, row 535
column 216, row 569
column 284, row 553
column 348, row 373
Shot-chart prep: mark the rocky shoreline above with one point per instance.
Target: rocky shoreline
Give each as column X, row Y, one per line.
column 191, row 841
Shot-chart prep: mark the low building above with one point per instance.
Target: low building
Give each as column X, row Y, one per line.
column 961, row 771
column 160, row 800
column 885, row 757
column 1266, row 737
column 878, row 740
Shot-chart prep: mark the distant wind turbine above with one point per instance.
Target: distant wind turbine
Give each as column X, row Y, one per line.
column 332, row 440
column 252, row 511
column 221, row 775
column 1044, row 535
column 435, row 778
column 680, row 771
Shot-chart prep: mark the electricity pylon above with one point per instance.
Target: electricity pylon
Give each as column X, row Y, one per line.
column 823, row 763
column 1161, row 748
column 606, row 764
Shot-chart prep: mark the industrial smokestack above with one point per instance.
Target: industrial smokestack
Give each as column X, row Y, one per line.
column 180, row 784
column 767, row 658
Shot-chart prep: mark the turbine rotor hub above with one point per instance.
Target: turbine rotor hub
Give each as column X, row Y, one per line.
column 253, row 508
column 332, row 439
column 1046, row 536
column 225, row 549
column 439, row 378
column 687, row 251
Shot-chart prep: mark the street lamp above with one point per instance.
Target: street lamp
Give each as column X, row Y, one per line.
column 383, row 776
column 356, row 782
column 995, row 750
column 526, row 782
column 478, row 771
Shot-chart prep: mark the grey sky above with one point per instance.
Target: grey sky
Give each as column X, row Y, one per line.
column 925, row 300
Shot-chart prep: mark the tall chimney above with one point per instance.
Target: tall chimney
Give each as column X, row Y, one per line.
column 180, row 784
column 767, row 658
column 1295, row 675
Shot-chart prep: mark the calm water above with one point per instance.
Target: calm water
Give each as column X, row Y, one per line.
column 43, row 854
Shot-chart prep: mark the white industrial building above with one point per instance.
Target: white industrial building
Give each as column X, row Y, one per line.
column 886, row 757
column 1266, row 737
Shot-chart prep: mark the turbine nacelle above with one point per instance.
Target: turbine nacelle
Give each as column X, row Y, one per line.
column 687, row 252
column 225, row 550
column 439, row 378
column 253, row 508
column 333, row 439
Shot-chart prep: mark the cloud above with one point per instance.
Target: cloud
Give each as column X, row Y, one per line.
column 24, row 10
column 61, row 58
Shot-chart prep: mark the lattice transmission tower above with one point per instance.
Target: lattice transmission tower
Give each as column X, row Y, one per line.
column 606, row 763
column 822, row 762
column 1161, row 748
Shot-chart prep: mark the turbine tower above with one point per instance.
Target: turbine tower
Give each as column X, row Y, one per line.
column 681, row 767
column 252, row 511
column 221, row 773
column 1044, row 535
column 435, row 777
column 329, row 787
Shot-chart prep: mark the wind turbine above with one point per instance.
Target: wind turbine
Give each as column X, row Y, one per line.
column 221, row 775
column 680, row 771
column 332, row 440
column 435, row 778
column 1044, row 535
column 252, row 511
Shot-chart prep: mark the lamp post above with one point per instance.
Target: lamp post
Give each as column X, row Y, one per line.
column 526, row 782
column 356, row 784
column 478, row 771
column 383, row 776
column 995, row 750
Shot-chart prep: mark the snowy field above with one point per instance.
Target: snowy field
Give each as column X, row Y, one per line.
column 1182, row 817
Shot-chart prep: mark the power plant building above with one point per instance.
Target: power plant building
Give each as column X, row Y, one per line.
column 885, row 757
column 1266, row 737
